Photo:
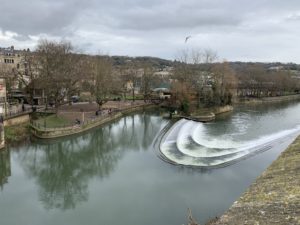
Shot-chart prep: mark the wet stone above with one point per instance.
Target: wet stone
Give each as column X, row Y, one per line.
column 274, row 198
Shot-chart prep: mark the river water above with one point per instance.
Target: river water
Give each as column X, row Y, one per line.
column 113, row 175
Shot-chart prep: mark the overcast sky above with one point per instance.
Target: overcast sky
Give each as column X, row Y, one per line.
column 244, row 30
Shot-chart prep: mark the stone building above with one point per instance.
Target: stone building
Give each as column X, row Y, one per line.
column 17, row 67
column 13, row 66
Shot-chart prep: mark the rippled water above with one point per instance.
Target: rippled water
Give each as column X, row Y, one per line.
column 189, row 143
column 112, row 175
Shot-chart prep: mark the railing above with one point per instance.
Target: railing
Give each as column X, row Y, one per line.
column 43, row 131
column 18, row 112
column 80, row 124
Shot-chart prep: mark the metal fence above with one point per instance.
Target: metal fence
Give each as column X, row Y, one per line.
column 43, row 125
column 15, row 111
column 83, row 119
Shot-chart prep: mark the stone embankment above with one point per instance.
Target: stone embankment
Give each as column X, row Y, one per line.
column 209, row 114
column 268, row 99
column 48, row 133
column 274, row 198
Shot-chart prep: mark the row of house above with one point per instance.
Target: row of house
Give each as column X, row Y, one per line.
column 13, row 63
column 14, row 68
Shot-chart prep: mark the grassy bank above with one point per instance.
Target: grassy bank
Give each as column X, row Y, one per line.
column 16, row 134
column 53, row 121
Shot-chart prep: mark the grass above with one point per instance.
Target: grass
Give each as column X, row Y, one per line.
column 53, row 121
column 17, row 133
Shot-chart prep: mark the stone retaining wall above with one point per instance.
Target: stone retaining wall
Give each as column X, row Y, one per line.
column 269, row 99
column 61, row 132
column 47, row 133
column 222, row 109
column 17, row 119
column 274, row 198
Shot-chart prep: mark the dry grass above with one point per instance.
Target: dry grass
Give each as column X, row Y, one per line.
column 192, row 221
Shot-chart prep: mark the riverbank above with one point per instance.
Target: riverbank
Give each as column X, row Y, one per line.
column 16, row 134
column 268, row 99
column 47, row 133
column 274, row 198
column 206, row 114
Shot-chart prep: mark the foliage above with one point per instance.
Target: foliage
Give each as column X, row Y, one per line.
column 17, row 133
column 206, row 83
column 60, row 70
column 102, row 81
column 53, row 121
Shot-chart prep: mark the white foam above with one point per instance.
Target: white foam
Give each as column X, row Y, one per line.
column 187, row 143
column 200, row 136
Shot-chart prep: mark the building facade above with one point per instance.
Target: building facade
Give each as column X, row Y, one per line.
column 13, row 66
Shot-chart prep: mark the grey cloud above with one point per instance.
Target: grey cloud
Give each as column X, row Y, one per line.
column 153, row 20
column 293, row 17
column 58, row 17
column 157, row 15
column 33, row 17
column 240, row 28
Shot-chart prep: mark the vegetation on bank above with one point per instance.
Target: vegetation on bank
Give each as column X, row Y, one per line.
column 274, row 198
column 52, row 121
column 193, row 221
column 16, row 134
column 197, row 79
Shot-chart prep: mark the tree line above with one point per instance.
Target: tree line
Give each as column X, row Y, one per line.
column 61, row 72
column 201, row 80
column 197, row 79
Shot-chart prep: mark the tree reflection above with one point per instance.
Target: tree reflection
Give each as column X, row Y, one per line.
column 63, row 168
column 5, row 169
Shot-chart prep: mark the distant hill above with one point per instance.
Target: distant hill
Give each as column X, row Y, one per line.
column 239, row 66
column 153, row 61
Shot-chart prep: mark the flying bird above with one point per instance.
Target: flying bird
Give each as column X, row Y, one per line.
column 187, row 38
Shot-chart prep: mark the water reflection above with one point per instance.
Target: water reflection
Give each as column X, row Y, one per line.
column 114, row 171
column 247, row 132
column 5, row 169
column 62, row 169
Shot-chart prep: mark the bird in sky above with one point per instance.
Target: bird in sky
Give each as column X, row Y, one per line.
column 187, row 38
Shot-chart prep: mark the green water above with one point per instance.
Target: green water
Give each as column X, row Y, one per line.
column 112, row 175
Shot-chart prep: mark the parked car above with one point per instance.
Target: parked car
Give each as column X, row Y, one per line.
column 75, row 98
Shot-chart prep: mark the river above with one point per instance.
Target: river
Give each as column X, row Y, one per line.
column 112, row 175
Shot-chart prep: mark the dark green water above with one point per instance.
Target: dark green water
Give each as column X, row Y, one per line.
column 112, row 176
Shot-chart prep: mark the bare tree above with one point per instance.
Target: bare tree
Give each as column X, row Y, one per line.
column 194, row 69
column 147, row 81
column 102, row 87
column 224, row 84
column 58, row 69
column 29, row 74
column 133, row 74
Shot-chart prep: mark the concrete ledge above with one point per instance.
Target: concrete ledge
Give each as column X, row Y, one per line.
column 17, row 119
column 62, row 132
column 274, row 198
column 50, row 133
column 268, row 99
column 208, row 114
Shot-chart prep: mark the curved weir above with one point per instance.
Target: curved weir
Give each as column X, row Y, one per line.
column 188, row 143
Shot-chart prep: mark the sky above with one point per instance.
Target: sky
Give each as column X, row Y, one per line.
column 238, row 30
